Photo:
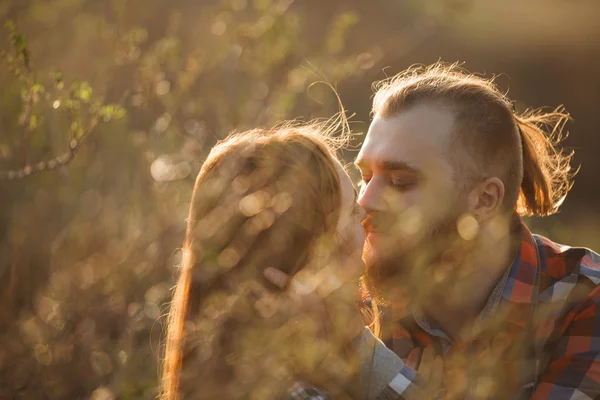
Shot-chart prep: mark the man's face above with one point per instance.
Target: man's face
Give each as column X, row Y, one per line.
column 409, row 189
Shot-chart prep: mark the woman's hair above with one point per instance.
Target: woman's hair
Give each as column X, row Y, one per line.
column 263, row 198
column 490, row 137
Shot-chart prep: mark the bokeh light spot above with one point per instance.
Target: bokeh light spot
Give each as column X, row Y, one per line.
column 468, row 227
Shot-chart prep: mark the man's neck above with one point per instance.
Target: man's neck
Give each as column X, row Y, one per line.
column 458, row 305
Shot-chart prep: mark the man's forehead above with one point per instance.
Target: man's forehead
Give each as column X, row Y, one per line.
column 411, row 137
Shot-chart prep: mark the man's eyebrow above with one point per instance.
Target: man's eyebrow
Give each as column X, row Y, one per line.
column 396, row 166
column 387, row 165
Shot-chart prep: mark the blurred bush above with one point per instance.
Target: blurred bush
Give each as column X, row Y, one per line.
column 106, row 115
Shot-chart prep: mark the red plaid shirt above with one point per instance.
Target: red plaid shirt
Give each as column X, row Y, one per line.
column 549, row 302
column 303, row 391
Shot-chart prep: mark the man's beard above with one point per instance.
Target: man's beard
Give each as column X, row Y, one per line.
column 413, row 271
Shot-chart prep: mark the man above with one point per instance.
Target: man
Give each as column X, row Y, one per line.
column 475, row 306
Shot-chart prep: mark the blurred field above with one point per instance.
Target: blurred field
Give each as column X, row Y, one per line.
column 88, row 251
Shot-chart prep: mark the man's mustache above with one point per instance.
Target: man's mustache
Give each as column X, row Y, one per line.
column 379, row 222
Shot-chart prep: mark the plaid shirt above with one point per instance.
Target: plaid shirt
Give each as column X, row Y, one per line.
column 548, row 301
column 302, row 391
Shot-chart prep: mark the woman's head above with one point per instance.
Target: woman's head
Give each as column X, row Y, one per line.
column 263, row 199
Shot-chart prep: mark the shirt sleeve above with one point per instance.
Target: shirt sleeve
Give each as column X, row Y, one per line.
column 574, row 369
column 383, row 374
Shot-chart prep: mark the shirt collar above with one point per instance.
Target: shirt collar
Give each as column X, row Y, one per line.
column 516, row 291
column 522, row 284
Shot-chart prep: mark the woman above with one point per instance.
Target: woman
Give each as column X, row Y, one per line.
column 267, row 205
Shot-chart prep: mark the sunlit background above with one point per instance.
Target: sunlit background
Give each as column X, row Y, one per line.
column 88, row 250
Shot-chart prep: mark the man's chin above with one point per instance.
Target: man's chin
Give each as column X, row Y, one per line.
column 375, row 259
column 388, row 266
column 381, row 267
column 374, row 236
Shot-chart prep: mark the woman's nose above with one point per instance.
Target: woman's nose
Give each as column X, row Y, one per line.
column 363, row 213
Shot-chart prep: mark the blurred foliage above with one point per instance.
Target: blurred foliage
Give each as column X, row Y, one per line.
column 131, row 94
column 83, row 112
column 88, row 250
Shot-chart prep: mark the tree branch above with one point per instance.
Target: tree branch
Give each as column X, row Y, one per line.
column 26, row 121
column 62, row 160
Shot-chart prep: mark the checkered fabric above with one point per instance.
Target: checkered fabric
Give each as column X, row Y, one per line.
column 302, row 391
column 550, row 295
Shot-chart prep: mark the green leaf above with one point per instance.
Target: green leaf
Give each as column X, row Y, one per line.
column 38, row 88
column 120, row 112
column 10, row 27
column 85, row 92
column 107, row 112
column 75, row 89
column 111, row 111
column 76, row 130
column 19, row 42
column 57, row 78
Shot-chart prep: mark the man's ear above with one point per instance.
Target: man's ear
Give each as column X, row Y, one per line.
column 486, row 198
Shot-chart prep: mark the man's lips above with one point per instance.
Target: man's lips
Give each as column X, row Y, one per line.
column 372, row 230
column 369, row 229
column 372, row 226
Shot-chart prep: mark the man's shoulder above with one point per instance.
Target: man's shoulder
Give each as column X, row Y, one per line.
column 560, row 263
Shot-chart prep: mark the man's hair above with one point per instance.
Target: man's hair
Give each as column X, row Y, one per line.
column 490, row 137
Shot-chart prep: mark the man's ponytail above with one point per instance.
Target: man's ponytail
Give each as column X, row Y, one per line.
column 546, row 168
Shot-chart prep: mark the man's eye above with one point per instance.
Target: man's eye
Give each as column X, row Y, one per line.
column 402, row 184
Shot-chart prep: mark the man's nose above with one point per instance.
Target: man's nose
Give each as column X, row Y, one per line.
column 371, row 196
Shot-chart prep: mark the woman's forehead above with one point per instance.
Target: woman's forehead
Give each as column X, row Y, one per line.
column 348, row 190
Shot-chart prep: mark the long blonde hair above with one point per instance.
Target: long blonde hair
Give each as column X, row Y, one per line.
column 263, row 198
